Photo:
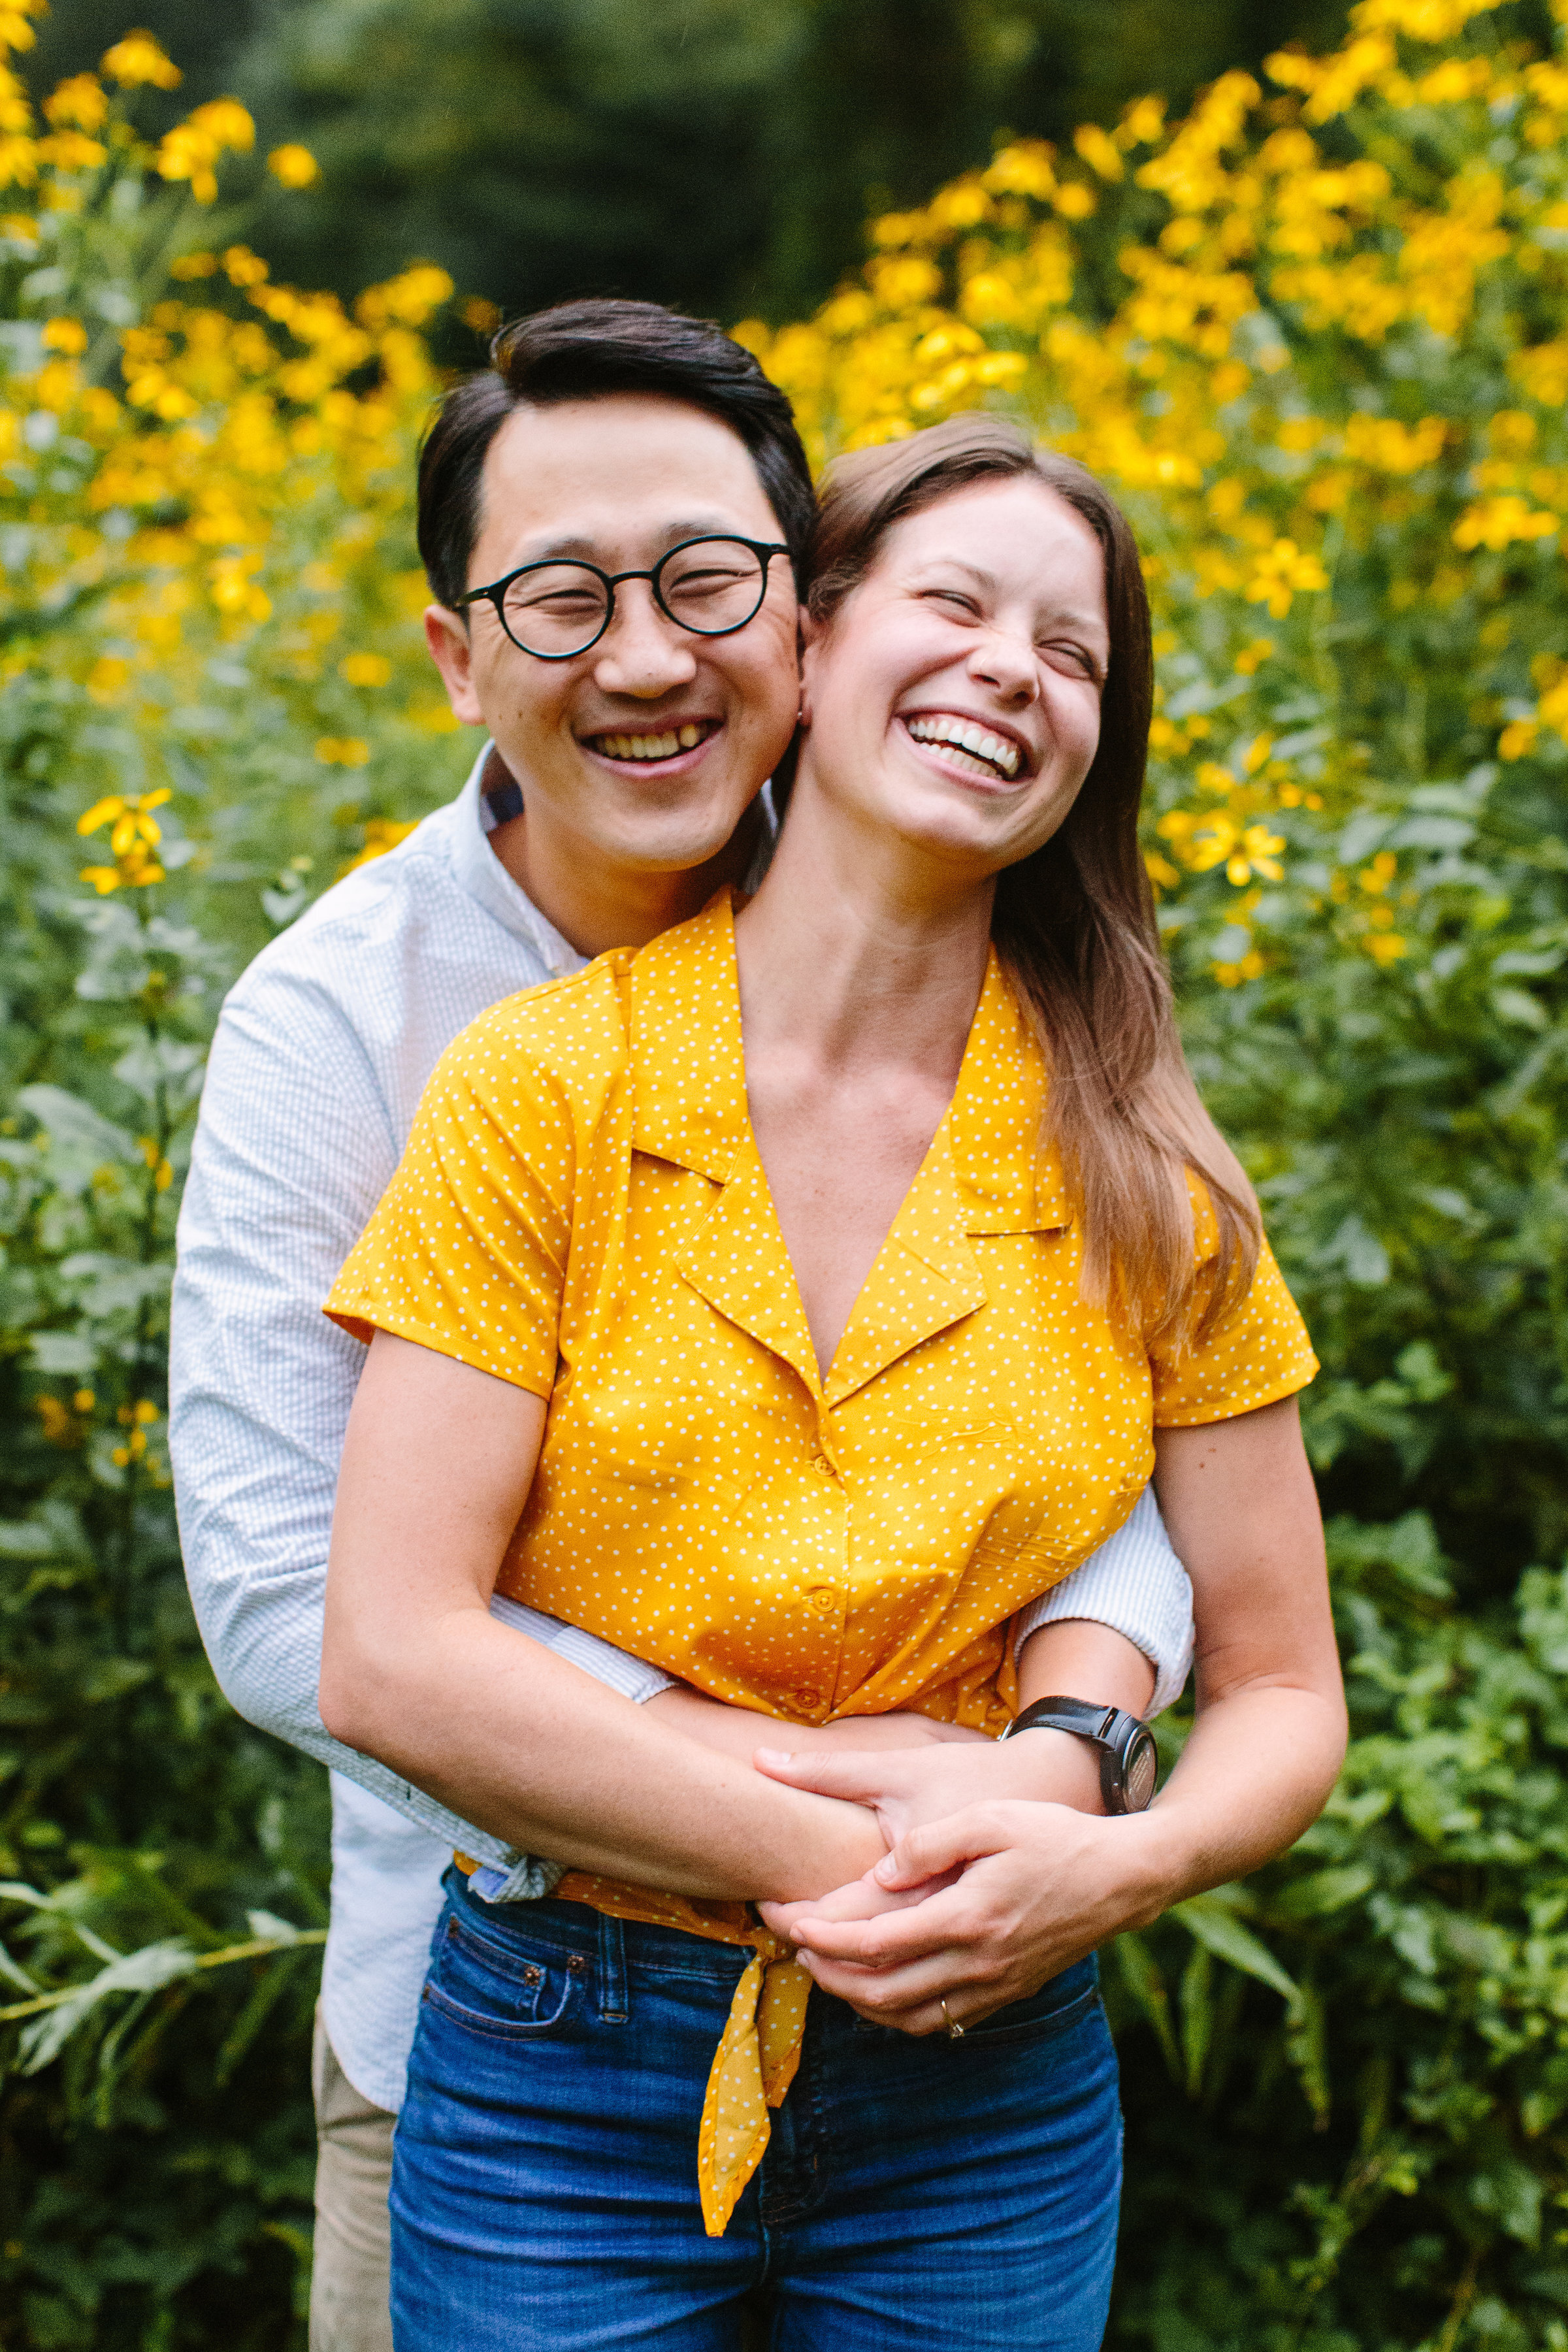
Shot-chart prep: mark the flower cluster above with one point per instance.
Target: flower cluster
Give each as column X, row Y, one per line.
column 1331, row 386
column 217, row 480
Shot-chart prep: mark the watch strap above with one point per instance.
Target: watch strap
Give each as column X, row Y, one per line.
column 1110, row 1729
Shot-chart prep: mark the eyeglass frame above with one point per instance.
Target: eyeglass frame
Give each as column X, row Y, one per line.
column 763, row 550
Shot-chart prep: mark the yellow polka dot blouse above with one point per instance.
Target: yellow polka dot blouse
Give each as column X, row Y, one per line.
column 581, row 1210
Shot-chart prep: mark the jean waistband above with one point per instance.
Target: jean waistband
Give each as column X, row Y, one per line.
column 575, row 1931
column 572, row 1929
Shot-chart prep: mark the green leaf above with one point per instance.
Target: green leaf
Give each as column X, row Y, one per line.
column 153, row 1965
column 1144, row 1982
column 1216, row 1926
column 1324, row 1891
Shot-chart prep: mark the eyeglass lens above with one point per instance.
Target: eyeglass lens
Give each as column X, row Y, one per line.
column 711, row 587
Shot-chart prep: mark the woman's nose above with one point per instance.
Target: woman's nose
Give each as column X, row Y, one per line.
column 642, row 652
column 1009, row 665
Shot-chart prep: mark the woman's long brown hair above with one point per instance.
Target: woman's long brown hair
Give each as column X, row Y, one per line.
column 1074, row 923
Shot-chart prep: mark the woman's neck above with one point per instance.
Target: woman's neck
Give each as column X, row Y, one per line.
column 858, row 984
column 857, row 957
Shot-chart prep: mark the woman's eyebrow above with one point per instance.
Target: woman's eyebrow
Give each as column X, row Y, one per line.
column 1091, row 623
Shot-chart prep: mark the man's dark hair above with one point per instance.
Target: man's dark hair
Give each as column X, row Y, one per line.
column 582, row 351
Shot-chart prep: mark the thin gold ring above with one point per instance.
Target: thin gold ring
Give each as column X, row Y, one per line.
column 954, row 2031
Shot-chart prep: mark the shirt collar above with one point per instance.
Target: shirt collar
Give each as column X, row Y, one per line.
column 690, row 1074
column 490, row 797
column 480, row 872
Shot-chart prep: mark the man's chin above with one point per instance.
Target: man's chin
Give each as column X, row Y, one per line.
column 674, row 838
column 676, row 848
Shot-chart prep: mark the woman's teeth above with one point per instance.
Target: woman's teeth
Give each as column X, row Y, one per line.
column 962, row 736
column 650, row 747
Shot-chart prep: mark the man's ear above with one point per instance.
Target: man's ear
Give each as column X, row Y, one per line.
column 453, row 654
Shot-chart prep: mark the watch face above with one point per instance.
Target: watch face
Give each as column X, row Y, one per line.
column 1143, row 1772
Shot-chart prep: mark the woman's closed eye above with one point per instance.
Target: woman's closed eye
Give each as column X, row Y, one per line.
column 1072, row 660
column 955, row 599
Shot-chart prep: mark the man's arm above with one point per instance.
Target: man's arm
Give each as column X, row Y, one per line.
column 1134, row 1585
column 293, row 1150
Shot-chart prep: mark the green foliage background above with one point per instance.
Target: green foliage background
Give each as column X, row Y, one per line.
column 1346, row 2083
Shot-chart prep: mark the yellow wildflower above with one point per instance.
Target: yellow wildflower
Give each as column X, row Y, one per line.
column 380, row 833
column 1282, row 571
column 138, row 59
column 293, row 166
column 364, row 670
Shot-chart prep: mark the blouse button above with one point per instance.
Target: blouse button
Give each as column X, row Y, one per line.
column 823, row 1597
column 823, row 1467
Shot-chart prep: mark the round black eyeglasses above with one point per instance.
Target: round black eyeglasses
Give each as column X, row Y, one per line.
column 555, row 610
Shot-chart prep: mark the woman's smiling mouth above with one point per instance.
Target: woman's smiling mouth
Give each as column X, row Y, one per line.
column 966, row 745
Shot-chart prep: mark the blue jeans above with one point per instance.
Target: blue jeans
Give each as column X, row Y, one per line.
column 956, row 2195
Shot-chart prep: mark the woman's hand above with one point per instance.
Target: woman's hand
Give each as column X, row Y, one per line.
column 982, row 1908
column 913, row 1785
column 1041, row 1884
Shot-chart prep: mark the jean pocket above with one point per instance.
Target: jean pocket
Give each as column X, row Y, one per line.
column 510, row 1994
column 1060, row 2005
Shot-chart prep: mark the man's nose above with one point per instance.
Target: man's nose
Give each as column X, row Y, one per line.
column 642, row 652
column 1007, row 663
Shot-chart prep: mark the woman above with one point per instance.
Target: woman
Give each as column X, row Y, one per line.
column 834, row 1342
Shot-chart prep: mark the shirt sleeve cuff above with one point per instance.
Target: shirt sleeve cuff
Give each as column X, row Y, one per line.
column 1135, row 1584
column 633, row 1677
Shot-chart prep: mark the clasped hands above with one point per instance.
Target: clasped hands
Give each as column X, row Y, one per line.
column 1000, row 1869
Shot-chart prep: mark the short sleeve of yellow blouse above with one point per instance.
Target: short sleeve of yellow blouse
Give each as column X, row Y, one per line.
column 467, row 1252
column 1256, row 1353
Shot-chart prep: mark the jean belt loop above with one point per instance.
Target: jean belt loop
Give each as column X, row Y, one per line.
column 613, row 2005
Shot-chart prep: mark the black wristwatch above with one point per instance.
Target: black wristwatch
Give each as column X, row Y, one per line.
column 1129, row 1759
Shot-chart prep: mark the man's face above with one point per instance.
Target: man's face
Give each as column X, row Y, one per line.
column 616, row 482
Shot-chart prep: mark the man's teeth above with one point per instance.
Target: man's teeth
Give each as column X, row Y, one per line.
column 649, row 747
column 964, row 735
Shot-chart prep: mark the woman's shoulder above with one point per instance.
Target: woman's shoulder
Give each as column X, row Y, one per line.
column 566, row 1039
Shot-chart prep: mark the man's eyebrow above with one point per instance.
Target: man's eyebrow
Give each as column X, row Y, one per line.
column 569, row 545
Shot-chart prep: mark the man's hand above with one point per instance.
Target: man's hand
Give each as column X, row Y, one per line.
column 1006, row 1895
column 737, row 1730
column 915, row 1785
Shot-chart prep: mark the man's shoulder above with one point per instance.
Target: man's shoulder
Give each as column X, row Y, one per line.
column 370, row 904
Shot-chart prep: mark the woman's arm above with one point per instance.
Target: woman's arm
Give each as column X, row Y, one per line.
column 437, row 1468
column 1041, row 1885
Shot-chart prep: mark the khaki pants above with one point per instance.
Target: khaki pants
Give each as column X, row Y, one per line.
column 349, row 2284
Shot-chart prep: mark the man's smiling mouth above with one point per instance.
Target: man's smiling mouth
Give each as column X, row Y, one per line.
column 969, row 747
column 642, row 750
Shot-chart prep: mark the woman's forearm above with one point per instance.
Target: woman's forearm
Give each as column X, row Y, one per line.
column 526, row 1746
column 1256, row 1770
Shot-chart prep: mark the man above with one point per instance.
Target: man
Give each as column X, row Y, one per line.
column 619, row 789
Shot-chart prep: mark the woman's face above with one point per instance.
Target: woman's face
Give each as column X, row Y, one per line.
column 954, row 700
